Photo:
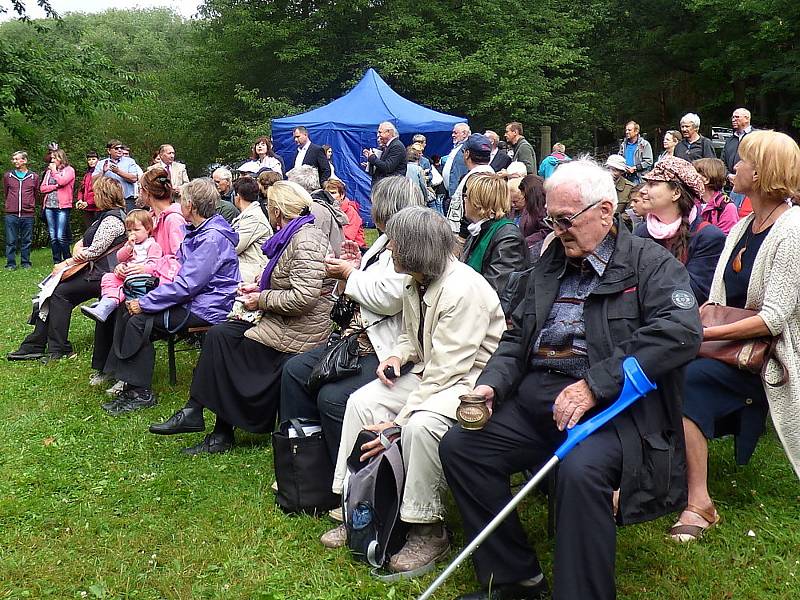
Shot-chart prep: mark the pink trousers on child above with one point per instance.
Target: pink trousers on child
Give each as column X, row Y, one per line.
column 111, row 287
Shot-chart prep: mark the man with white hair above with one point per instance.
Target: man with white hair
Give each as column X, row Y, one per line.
column 454, row 166
column 693, row 145
column 498, row 159
column 740, row 121
column 392, row 160
column 598, row 295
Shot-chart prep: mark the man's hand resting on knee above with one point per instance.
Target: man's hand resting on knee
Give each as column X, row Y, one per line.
column 376, row 446
column 572, row 403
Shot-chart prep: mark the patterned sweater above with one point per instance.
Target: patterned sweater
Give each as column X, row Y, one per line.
column 774, row 291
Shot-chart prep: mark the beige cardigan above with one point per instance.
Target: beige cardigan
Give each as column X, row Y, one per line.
column 774, row 291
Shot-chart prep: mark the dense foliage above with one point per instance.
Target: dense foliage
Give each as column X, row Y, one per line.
column 210, row 85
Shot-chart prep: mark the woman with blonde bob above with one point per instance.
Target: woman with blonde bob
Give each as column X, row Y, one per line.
column 496, row 247
column 758, row 271
column 238, row 373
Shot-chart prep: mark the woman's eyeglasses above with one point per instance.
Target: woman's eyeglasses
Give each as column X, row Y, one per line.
column 565, row 223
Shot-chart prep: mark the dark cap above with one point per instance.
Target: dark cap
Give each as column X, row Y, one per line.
column 479, row 145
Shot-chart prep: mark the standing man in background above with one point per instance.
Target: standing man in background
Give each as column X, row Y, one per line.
column 120, row 168
column 637, row 152
column 523, row 151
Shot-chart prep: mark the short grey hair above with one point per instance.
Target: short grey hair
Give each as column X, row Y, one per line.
column 423, row 241
column 306, row 177
column 463, row 126
column 492, row 135
column 594, row 183
column 559, row 147
column 744, row 111
column 418, row 137
column 223, row 173
column 392, row 194
column 203, row 195
column 21, row 153
column 691, row 118
column 389, row 125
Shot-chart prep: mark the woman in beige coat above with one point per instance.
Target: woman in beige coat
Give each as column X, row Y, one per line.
column 253, row 228
column 758, row 271
column 239, row 371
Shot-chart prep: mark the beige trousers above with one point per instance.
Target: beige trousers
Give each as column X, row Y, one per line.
column 420, row 439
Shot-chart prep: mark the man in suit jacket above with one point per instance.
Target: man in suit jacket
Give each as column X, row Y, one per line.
column 175, row 170
column 499, row 158
column 310, row 154
column 392, row 160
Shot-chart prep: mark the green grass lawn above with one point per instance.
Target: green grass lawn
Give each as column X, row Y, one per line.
column 96, row 507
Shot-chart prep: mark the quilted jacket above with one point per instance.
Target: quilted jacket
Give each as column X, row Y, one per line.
column 297, row 306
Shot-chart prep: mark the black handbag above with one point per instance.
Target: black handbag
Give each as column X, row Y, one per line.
column 303, row 468
column 339, row 361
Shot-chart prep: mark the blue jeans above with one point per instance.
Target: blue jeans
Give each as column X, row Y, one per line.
column 19, row 230
column 60, row 236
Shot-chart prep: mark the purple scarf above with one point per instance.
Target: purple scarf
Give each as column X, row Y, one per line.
column 275, row 246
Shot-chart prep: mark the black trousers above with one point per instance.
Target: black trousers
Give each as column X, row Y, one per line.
column 330, row 402
column 520, row 435
column 53, row 333
column 136, row 368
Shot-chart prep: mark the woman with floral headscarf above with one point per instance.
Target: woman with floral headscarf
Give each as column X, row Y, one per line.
column 674, row 189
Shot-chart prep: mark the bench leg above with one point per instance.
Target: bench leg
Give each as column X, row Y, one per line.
column 173, row 376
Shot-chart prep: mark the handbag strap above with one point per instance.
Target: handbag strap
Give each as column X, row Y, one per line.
column 298, row 427
column 180, row 325
column 771, row 356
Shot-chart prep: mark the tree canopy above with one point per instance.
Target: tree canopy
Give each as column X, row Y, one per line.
column 210, row 85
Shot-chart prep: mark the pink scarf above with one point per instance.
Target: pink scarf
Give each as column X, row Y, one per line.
column 664, row 231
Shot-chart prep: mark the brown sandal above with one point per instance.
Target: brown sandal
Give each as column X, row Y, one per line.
column 691, row 533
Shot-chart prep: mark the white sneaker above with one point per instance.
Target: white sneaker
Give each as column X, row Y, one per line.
column 116, row 389
column 99, row 378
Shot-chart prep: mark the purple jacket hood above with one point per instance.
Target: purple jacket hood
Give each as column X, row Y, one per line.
column 209, row 275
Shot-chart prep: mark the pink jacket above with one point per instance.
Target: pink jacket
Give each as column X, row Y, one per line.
column 125, row 254
column 168, row 229
column 720, row 211
column 65, row 184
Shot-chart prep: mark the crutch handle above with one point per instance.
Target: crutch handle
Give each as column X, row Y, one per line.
column 636, row 385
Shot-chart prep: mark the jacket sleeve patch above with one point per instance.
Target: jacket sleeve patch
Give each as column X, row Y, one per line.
column 683, row 299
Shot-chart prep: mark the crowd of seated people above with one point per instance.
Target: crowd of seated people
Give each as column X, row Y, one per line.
column 424, row 302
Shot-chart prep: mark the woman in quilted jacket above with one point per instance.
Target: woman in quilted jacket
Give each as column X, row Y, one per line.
column 238, row 373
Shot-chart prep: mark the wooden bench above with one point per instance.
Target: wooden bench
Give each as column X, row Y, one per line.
column 172, row 340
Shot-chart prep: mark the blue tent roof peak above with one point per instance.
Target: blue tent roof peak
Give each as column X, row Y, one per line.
column 367, row 104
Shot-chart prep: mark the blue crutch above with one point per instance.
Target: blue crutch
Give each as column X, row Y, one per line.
column 635, row 386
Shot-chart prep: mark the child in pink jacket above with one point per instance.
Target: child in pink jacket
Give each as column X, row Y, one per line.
column 139, row 255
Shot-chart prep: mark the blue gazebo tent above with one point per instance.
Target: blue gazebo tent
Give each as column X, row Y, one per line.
column 349, row 124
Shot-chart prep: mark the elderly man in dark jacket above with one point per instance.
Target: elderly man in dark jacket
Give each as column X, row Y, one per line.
column 597, row 295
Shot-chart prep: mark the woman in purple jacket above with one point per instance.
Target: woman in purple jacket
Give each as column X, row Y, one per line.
column 201, row 294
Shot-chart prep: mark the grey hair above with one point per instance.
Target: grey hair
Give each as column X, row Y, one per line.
column 744, row 111
column 203, row 195
column 389, row 125
column 223, row 173
column 492, row 135
column 691, row 118
column 305, row 176
column 594, row 183
column 20, row 153
column 391, row 195
column 418, row 137
column 463, row 126
column 559, row 147
column 423, row 241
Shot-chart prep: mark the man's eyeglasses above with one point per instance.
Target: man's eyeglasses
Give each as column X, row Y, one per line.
column 118, row 147
column 565, row 223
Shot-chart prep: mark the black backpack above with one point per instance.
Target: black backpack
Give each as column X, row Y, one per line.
column 373, row 492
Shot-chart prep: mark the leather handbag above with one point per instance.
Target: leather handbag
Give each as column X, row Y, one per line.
column 339, row 361
column 750, row 355
column 303, row 468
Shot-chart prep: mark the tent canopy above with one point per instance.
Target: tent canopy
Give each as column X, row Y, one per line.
column 350, row 123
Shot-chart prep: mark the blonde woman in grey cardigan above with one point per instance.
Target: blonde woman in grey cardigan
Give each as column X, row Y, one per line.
column 757, row 271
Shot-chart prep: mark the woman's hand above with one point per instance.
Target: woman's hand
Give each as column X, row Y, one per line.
column 246, row 288
column 375, row 447
column 80, row 204
column 52, row 167
column 133, row 307
column 338, row 268
column 135, row 269
column 351, row 253
column 80, row 255
column 392, row 361
column 250, row 300
column 121, row 270
column 59, row 266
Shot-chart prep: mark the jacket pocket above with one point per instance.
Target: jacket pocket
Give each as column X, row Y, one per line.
column 658, row 450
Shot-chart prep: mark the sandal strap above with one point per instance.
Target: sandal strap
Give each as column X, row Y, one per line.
column 694, row 531
column 710, row 516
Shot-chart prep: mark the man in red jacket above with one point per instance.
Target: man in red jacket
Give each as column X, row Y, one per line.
column 20, row 187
